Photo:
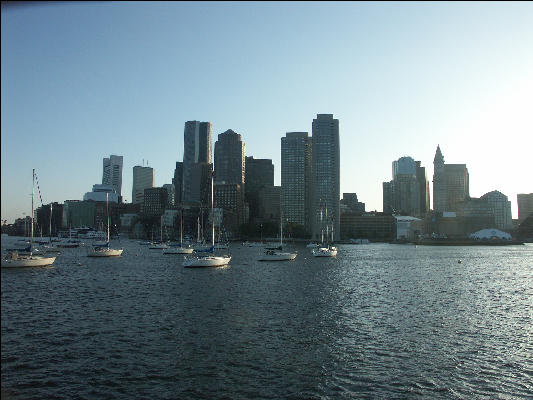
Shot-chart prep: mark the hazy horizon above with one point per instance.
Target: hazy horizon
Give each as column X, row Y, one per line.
column 83, row 81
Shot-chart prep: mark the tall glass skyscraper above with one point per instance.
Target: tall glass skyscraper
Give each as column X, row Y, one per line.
column 143, row 178
column 296, row 153
column 326, row 173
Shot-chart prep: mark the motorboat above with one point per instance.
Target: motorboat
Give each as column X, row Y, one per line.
column 178, row 250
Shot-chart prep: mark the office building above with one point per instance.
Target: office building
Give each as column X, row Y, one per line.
column 352, row 203
column 177, row 181
column 296, row 179
column 143, row 178
column 229, row 158
column 171, row 190
column 102, row 193
column 112, row 174
column 258, row 174
column 196, row 149
column 155, row 201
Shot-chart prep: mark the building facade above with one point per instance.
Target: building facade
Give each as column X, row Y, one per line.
column 229, row 158
column 296, row 178
column 177, row 181
column 102, row 193
column 259, row 173
column 501, row 207
column 143, row 178
column 196, row 149
column 450, row 184
column 525, row 206
column 155, row 201
column 112, row 173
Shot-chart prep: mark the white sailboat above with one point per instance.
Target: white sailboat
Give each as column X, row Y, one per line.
column 179, row 249
column 160, row 245
column 15, row 260
column 208, row 260
column 278, row 255
column 105, row 250
column 323, row 250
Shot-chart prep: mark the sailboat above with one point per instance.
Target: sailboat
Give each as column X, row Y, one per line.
column 323, row 250
column 14, row 260
column 208, row 260
column 160, row 245
column 277, row 254
column 179, row 249
column 105, row 250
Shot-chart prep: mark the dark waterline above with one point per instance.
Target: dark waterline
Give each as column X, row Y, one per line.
column 379, row 321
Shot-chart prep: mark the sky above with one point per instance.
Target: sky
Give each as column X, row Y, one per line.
column 81, row 81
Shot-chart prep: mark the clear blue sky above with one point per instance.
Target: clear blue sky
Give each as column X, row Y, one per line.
column 82, row 81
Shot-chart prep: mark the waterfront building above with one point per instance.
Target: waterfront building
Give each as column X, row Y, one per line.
column 501, row 207
column 102, row 193
column 196, row 149
column 326, row 172
column 450, row 184
column 42, row 218
column 155, row 201
column 525, row 206
column 296, row 179
column 270, row 204
column 378, row 227
column 112, row 173
column 200, row 185
column 143, row 178
column 229, row 198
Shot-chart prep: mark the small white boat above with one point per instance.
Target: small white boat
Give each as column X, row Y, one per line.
column 325, row 252
column 178, row 250
column 69, row 244
column 273, row 255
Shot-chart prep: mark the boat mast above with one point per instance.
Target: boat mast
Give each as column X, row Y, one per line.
column 212, row 216
column 327, row 226
column 321, row 228
column 32, row 190
column 107, row 212
column 50, row 222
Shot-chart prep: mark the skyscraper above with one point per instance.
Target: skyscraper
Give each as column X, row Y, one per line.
column 326, row 172
column 296, row 178
column 112, row 173
column 143, row 178
column 196, row 149
column 259, row 173
column 177, row 181
column 229, row 158
column 450, row 184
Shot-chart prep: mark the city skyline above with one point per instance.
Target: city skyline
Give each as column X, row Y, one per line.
column 468, row 89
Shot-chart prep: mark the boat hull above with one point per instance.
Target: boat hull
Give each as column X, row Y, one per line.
column 278, row 257
column 209, row 261
column 178, row 250
column 30, row 261
column 105, row 253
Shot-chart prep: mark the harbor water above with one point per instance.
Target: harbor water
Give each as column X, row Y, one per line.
column 378, row 321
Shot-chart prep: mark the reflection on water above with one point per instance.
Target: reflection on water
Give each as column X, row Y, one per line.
column 379, row 321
